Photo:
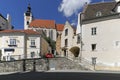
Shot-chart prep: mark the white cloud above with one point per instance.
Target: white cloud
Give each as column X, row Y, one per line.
column 69, row 7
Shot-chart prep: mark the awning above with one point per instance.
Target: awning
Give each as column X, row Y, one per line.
column 75, row 50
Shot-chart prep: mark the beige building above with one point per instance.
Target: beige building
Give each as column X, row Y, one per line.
column 59, row 28
column 21, row 44
column 70, row 47
column 100, row 33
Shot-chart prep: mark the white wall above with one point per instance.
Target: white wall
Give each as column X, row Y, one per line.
column 32, row 49
column 108, row 32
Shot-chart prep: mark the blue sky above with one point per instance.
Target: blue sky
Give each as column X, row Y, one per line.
column 58, row 10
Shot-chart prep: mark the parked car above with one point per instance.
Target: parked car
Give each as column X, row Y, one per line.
column 49, row 55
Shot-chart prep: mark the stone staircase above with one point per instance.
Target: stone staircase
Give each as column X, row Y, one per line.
column 64, row 64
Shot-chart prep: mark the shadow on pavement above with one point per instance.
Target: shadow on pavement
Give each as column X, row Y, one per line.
column 60, row 76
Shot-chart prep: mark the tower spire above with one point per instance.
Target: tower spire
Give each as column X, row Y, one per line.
column 29, row 8
column 28, row 17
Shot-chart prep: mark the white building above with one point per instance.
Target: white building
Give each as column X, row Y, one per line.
column 47, row 26
column 100, row 33
column 20, row 44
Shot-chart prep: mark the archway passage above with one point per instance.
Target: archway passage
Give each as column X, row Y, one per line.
column 75, row 50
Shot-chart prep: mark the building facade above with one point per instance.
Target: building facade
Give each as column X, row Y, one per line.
column 100, row 33
column 59, row 29
column 47, row 26
column 70, row 47
column 21, row 44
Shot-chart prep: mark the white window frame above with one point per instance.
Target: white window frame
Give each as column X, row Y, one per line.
column 13, row 41
column 32, row 42
column 94, row 31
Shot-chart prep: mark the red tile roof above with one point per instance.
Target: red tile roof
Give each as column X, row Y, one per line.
column 20, row 31
column 59, row 27
column 43, row 24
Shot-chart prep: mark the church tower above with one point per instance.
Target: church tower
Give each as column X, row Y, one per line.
column 27, row 17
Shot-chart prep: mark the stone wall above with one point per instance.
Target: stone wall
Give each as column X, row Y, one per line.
column 39, row 65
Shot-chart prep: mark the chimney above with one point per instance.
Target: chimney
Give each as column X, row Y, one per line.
column 78, row 31
column 9, row 18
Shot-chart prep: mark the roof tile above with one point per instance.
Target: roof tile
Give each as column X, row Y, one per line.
column 59, row 27
column 42, row 24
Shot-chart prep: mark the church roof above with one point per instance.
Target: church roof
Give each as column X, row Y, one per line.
column 59, row 27
column 38, row 23
column 94, row 10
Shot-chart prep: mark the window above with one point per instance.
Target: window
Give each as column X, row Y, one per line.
column 66, row 32
column 93, row 31
column 93, row 47
column 27, row 22
column 32, row 43
column 51, row 35
column 78, row 38
column 3, row 24
column 66, row 42
column 117, row 44
column 12, row 42
column 32, row 54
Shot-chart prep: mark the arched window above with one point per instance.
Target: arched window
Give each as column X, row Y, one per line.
column 66, row 32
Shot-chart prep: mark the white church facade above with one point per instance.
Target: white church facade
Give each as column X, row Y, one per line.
column 47, row 26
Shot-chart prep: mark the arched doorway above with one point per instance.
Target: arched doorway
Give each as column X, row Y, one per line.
column 75, row 50
column 64, row 49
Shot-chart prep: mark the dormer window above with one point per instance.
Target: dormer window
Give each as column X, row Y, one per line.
column 98, row 14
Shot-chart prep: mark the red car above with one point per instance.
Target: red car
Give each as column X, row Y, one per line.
column 49, row 55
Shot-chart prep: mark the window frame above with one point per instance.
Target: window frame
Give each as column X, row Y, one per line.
column 93, row 47
column 66, row 42
column 33, row 43
column 66, row 32
column 12, row 42
column 93, row 30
